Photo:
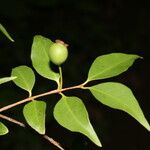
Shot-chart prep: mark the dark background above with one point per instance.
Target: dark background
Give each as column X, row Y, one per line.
column 91, row 28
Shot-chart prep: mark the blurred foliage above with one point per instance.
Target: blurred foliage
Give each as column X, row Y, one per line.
column 91, row 28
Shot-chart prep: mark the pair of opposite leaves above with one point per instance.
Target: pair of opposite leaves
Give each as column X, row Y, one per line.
column 70, row 112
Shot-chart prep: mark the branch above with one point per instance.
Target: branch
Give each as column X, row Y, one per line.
column 12, row 120
column 39, row 95
column 51, row 140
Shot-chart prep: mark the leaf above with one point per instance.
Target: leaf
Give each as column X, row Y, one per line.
column 118, row 96
column 110, row 65
column 34, row 113
column 25, row 77
column 3, row 129
column 71, row 113
column 40, row 58
column 4, row 31
column 6, row 79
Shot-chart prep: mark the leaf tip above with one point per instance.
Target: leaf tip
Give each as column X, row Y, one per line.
column 138, row 56
column 99, row 143
column 145, row 123
column 4, row 31
column 42, row 132
column 147, row 127
column 12, row 40
column 141, row 57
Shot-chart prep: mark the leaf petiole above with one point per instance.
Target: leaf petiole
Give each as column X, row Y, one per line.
column 60, row 85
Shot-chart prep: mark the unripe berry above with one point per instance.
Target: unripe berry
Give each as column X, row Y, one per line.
column 58, row 52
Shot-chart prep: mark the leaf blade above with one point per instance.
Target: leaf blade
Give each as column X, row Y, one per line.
column 25, row 77
column 3, row 129
column 4, row 31
column 34, row 113
column 40, row 58
column 110, row 65
column 6, row 79
column 71, row 113
column 118, row 96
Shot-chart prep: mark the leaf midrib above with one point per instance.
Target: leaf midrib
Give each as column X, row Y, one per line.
column 125, row 105
column 24, row 80
column 109, row 68
column 36, row 115
column 78, row 121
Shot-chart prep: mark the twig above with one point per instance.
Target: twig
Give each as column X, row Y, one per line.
column 12, row 120
column 51, row 140
column 39, row 95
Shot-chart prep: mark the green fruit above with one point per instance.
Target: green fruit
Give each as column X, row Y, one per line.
column 58, row 53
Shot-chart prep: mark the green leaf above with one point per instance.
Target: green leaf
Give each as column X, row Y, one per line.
column 71, row 113
column 40, row 58
column 110, row 65
column 34, row 113
column 6, row 79
column 118, row 96
column 25, row 77
column 3, row 129
column 4, row 31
